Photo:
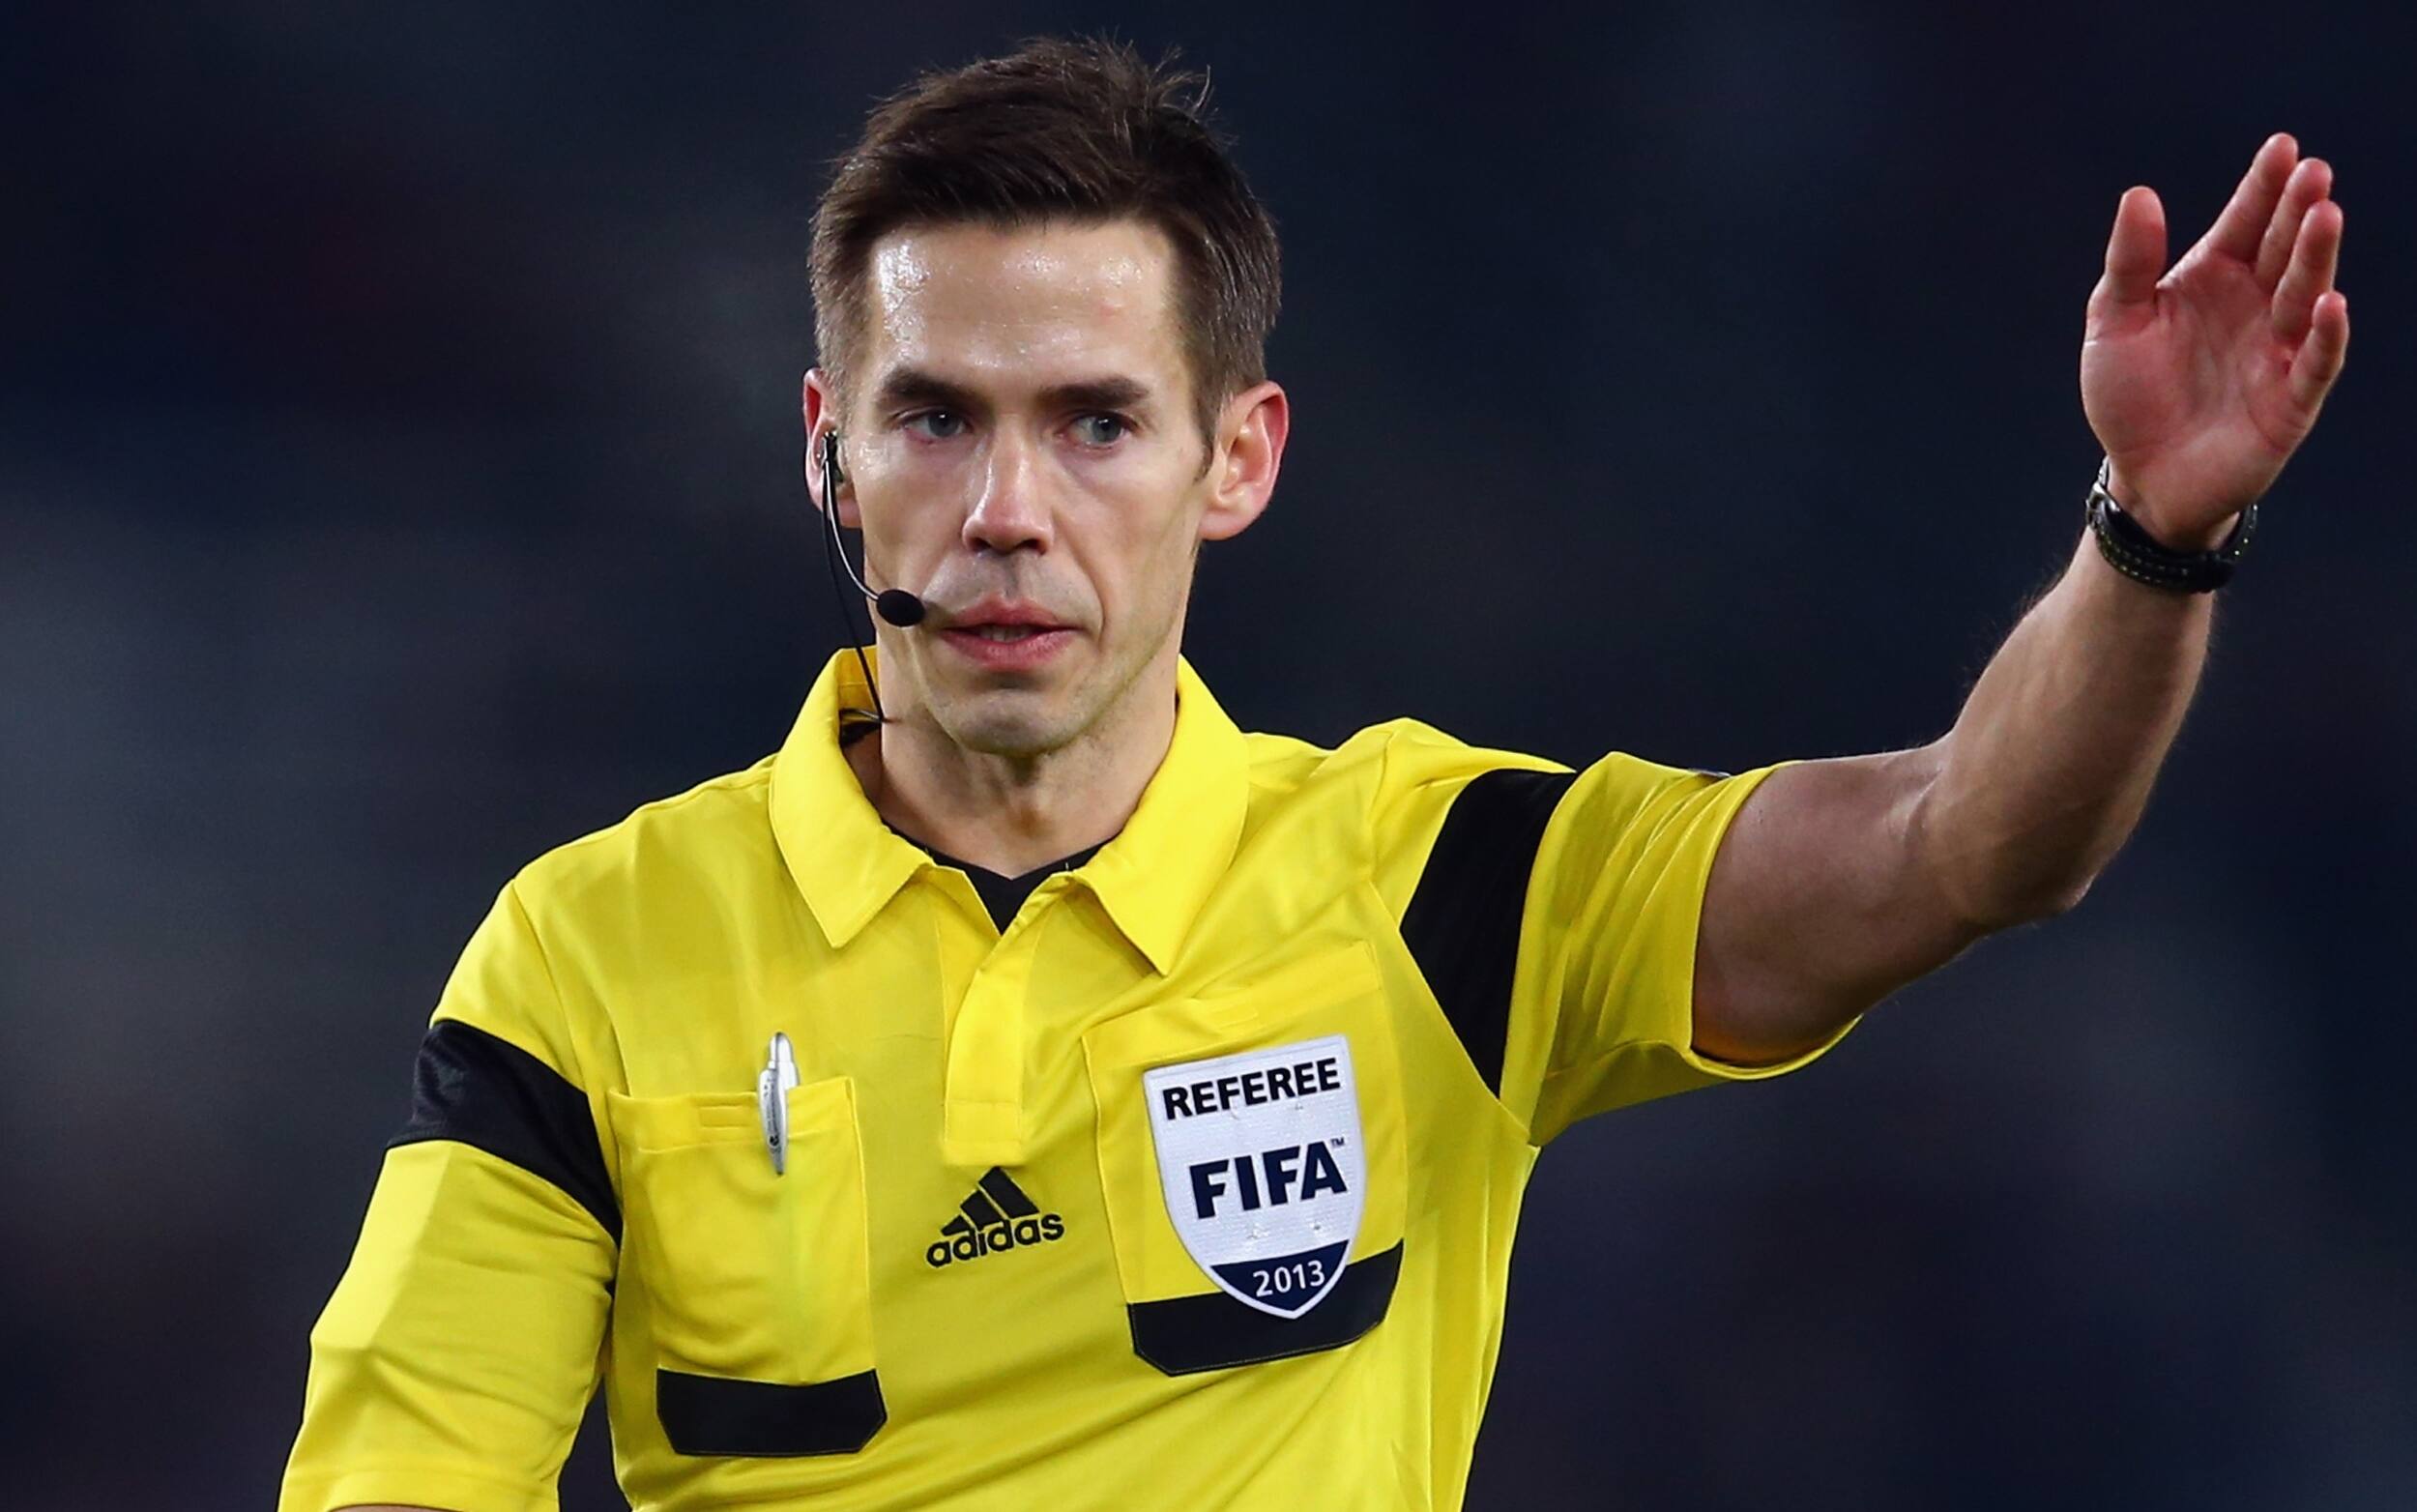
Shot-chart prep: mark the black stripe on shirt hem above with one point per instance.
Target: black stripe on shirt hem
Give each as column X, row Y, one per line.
column 1462, row 925
column 708, row 1415
column 475, row 1088
column 1186, row 1334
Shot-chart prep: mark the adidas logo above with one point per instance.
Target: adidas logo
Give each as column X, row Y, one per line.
column 997, row 1216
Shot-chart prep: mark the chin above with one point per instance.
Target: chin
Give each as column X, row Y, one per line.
column 1018, row 725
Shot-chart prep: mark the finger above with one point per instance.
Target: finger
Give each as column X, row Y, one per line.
column 2236, row 232
column 2136, row 250
column 2310, row 182
column 2321, row 355
column 2314, row 258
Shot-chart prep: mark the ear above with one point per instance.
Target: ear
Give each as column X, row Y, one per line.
column 820, row 407
column 1249, row 452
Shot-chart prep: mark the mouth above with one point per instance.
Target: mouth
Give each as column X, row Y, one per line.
column 1008, row 632
column 1006, row 637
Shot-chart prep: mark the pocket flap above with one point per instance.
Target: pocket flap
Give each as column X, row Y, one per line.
column 662, row 1124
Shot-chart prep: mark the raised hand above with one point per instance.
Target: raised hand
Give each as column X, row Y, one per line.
column 2202, row 382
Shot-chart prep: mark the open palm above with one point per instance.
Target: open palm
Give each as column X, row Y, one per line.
column 2200, row 383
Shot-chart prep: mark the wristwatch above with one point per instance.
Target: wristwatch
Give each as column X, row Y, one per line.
column 2138, row 555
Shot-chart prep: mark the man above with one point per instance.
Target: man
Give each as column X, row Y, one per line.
column 1027, row 1090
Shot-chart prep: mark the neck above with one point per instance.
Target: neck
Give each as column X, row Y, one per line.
column 1010, row 814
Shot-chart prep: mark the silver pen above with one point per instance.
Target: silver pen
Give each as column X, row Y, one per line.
column 771, row 1096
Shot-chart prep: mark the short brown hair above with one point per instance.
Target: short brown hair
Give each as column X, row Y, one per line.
column 1082, row 131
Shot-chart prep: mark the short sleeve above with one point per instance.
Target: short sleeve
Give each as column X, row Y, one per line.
column 454, row 1361
column 1602, row 1001
column 1553, row 913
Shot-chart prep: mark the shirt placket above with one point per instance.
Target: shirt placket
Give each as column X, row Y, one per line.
column 982, row 1113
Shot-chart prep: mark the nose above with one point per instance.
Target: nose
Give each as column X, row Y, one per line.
column 1012, row 515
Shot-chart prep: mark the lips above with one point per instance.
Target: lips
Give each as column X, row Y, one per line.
column 1005, row 636
column 986, row 613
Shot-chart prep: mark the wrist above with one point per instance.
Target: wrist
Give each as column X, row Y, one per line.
column 2207, row 538
column 2130, row 550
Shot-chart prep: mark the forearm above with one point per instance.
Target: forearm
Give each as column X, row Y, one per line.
column 2050, row 765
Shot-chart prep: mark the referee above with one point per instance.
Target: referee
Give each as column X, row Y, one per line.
column 1027, row 1090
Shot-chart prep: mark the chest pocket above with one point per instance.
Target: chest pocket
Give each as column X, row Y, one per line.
column 1253, row 1156
column 756, row 1285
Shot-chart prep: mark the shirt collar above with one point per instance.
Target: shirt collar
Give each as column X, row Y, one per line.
column 1153, row 878
column 1159, row 871
column 845, row 860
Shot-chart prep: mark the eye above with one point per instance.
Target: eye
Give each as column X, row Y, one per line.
column 1102, row 430
column 938, row 424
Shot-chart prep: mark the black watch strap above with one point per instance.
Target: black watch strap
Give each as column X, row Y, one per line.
column 2138, row 555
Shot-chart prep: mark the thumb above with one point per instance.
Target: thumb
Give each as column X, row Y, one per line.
column 2136, row 252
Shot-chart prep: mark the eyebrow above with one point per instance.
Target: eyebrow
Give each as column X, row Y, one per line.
column 916, row 386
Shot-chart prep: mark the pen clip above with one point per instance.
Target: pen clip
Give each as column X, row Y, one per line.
column 771, row 1097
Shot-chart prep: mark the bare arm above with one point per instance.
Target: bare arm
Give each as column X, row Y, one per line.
column 1841, row 881
column 1917, row 853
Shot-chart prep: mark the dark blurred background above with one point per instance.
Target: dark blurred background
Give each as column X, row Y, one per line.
column 399, row 478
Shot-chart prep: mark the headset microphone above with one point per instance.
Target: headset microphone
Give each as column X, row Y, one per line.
column 900, row 607
column 894, row 604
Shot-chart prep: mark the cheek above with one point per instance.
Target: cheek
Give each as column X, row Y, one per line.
column 913, row 510
column 1152, row 555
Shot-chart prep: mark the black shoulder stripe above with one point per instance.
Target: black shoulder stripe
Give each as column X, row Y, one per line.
column 477, row 1090
column 1462, row 925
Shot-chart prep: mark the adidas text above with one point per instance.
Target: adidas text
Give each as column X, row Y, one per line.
column 998, row 1237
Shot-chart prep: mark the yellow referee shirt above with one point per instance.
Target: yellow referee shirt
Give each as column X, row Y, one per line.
column 1194, row 1187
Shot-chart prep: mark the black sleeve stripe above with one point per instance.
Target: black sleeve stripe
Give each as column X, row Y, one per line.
column 477, row 1090
column 1462, row 925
